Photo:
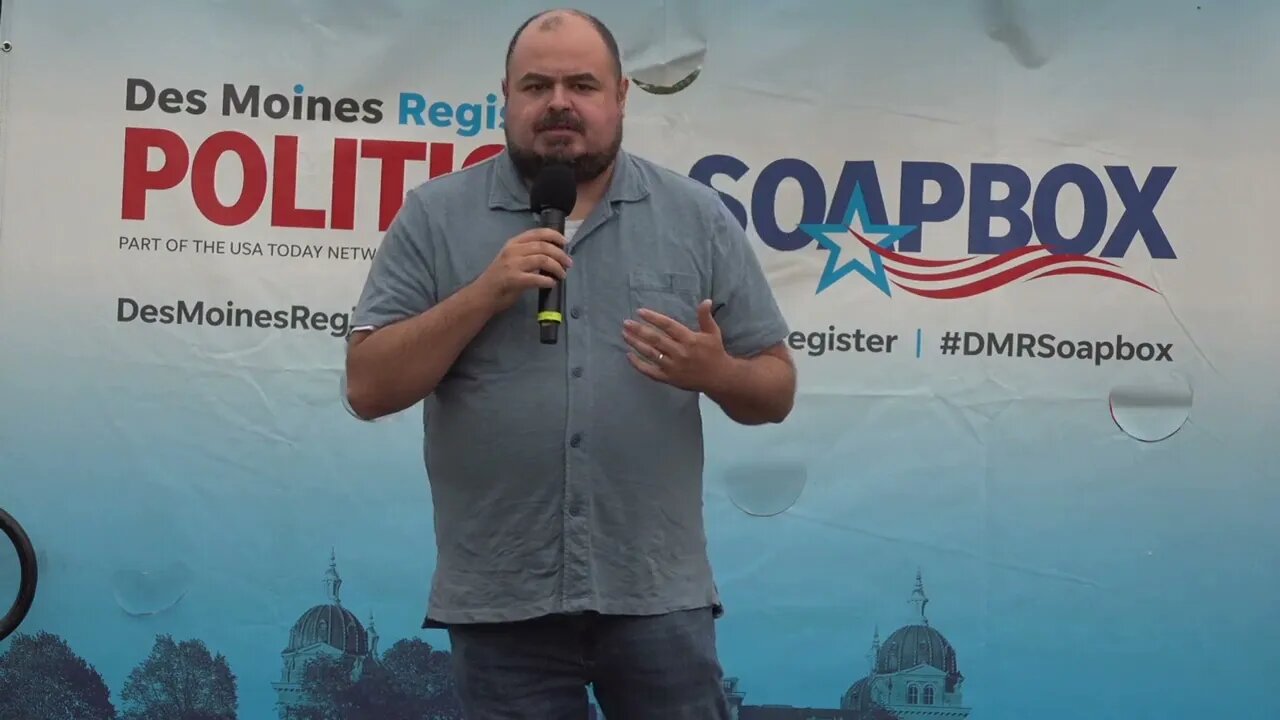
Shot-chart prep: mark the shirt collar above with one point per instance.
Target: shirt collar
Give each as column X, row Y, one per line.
column 508, row 192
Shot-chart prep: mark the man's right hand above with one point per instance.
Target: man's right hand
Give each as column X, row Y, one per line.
column 395, row 367
column 521, row 265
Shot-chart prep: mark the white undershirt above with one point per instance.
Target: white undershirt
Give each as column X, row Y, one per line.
column 571, row 228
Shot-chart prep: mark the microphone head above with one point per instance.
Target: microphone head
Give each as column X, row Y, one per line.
column 554, row 187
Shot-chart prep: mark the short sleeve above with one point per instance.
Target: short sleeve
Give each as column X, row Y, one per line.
column 400, row 283
column 743, row 303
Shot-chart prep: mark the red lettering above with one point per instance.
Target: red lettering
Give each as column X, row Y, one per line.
column 345, row 156
column 393, row 154
column 482, row 153
column 138, row 180
column 279, row 175
column 441, row 162
column 204, row 173
column 284, row 188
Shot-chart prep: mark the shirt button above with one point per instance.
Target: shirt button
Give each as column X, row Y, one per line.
column 575, row 312
column 577, row 372
column 576, row 440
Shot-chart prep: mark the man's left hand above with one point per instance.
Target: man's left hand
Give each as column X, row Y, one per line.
column 667, row 351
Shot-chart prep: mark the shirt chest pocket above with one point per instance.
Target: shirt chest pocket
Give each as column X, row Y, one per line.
column 673, row 294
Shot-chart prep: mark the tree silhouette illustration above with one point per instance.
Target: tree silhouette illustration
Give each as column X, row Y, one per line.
column 424, row 680
column 180, row 681
column 41, row 677
column 411, row 681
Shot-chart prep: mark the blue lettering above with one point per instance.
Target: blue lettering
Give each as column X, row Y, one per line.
column 411, row 106
column 983, row 207
column 713, row 165
column 1030, row 210
column 1044, row 209
column 441, row 113
column 470, row 118
column 912, row 209
column 764, row 202
column 491, row 109
column 1139, row 212
column 852, row 175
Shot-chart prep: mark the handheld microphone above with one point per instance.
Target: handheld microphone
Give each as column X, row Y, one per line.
column 552, row 197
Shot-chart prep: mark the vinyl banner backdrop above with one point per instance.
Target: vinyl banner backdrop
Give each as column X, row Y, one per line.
column 1026, row 249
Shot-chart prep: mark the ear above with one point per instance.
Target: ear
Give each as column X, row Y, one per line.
column 623, row 86
column 504, row 89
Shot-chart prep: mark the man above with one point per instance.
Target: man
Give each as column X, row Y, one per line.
column 567, row 479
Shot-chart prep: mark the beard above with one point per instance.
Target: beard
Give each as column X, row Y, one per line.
column 586, row 166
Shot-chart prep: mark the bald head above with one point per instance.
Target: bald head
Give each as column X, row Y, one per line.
column 565, row 94
column 552, row 20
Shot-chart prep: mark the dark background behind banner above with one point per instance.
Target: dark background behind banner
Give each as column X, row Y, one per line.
column 1050, row 495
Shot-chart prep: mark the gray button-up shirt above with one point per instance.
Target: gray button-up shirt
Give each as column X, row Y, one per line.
column 562, row 479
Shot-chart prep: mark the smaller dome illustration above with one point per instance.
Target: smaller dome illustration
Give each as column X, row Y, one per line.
column 330, row 624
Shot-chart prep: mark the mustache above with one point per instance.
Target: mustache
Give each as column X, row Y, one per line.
column 559, row 120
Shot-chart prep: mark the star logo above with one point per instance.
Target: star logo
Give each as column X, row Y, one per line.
column 855, row 228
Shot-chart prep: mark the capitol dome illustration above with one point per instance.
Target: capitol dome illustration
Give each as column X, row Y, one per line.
column 327, row 629
column 914, row 673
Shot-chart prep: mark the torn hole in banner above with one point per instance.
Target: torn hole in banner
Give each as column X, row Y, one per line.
column 666, row 47
column 1153, row 407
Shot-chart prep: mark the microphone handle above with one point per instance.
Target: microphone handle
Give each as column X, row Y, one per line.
column 551, row 300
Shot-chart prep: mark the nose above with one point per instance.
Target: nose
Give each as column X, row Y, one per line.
column 559, row 97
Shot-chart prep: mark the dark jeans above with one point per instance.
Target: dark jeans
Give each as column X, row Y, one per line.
column 640, row 668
